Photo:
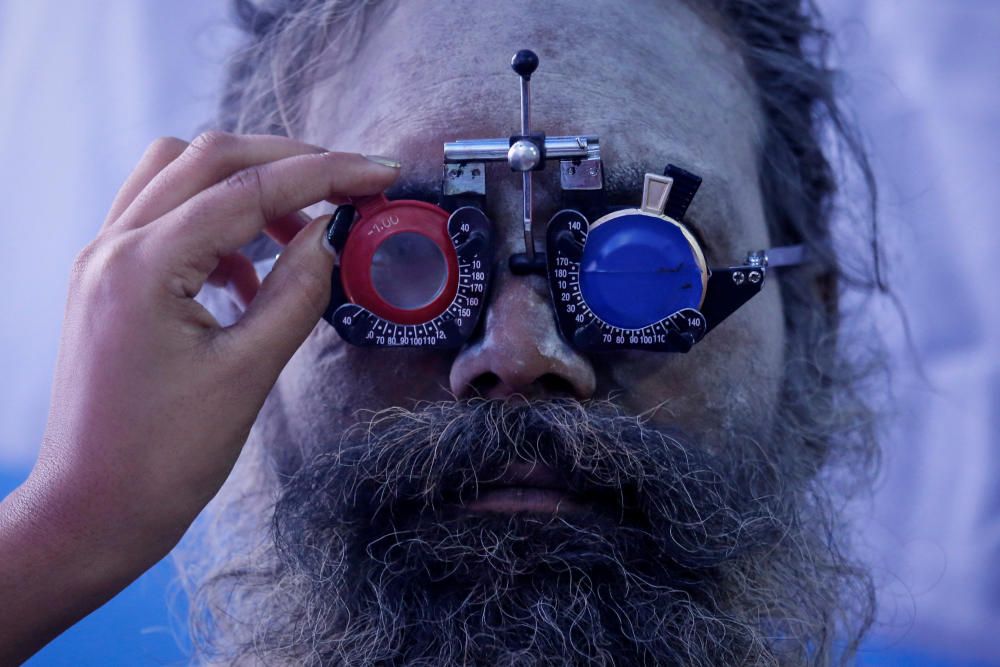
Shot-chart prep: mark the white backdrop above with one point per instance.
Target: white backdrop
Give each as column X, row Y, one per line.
column 85, row 86
column 924, row 82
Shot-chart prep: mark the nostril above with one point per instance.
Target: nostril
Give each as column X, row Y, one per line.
column 484, row 383
column 556, row 386
column 549, row 385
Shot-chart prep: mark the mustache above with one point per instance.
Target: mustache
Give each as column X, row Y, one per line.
column 407, row 470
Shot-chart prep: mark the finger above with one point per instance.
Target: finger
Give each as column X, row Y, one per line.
column 158, row 155
column 209, row 159
column 189, row 241
column 236, row 273
column 284, row 228
column 290, row 302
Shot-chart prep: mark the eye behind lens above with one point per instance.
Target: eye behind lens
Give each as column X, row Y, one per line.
column 409, row 270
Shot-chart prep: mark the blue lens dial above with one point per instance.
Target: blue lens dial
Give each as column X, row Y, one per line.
column 638, row 269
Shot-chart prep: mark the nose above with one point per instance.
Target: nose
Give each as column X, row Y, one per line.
column 521, row 351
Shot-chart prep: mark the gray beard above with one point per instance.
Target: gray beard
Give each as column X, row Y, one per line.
column 689, row 554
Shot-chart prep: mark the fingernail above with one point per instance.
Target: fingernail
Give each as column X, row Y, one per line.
column 328, row 237
column 338, row 227
column 384, row 161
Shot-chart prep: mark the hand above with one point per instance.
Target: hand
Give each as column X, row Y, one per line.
column 152, row 400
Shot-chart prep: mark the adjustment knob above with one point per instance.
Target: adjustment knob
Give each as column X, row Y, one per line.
column 524, row 62
column 523, row 155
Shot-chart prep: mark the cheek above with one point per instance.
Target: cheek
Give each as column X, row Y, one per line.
column 327, row 381
column 729, row 382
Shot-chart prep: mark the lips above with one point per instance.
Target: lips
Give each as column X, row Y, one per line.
column 525, row 487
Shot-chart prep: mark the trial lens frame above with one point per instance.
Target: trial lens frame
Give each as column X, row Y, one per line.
column 466, row 242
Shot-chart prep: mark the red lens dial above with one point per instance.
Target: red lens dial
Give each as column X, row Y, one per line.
column 399, row 261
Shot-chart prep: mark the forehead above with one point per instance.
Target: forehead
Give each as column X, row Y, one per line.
column 656, row 81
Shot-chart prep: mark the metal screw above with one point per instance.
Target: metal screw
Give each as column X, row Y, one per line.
column 757, row 259
column 755, row 277
column 739, row 277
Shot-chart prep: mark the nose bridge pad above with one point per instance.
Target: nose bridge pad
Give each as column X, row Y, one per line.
column 519, row 344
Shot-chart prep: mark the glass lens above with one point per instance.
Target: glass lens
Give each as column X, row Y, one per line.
column 409, row 270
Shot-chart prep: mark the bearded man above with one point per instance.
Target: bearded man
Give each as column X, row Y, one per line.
column 514, row 501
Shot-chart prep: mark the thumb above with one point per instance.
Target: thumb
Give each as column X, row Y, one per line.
column 291, row 300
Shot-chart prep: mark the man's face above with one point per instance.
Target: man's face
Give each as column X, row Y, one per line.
column 658, row 85
column 671, row 539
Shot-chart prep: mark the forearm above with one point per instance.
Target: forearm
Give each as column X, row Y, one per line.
column 59, row 560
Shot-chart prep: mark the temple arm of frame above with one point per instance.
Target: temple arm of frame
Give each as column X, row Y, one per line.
column 788, row 255
column 776, row 258
column 731, row 287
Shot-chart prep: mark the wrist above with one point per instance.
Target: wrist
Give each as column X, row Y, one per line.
column 92, row 528
column 58, row 566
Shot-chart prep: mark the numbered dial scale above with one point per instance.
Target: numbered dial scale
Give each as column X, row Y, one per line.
column 637, row 278
column 410, row 274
